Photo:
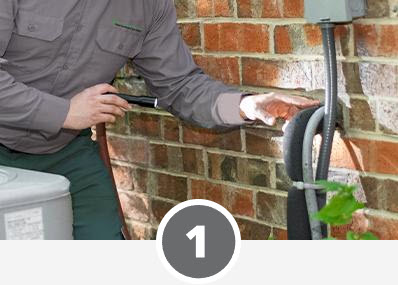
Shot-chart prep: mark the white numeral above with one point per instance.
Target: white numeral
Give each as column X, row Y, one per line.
column 198, row 232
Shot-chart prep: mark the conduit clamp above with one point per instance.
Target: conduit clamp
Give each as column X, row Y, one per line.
column 300, row 185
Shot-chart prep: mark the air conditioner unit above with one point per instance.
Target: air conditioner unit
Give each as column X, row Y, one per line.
column 34, row 206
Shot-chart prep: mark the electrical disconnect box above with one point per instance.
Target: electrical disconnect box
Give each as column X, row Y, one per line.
column 334, row 11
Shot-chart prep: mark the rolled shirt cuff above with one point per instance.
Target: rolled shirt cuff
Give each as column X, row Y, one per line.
column 50, row 115
column 228, row 109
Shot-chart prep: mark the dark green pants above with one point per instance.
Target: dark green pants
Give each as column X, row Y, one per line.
column 95, row 210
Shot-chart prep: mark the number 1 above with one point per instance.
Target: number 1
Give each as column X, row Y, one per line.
column 198, row 232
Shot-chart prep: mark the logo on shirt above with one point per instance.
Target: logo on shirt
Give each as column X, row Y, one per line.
column 127, row 26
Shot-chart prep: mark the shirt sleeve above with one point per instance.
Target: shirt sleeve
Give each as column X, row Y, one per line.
column 182, row 88
column 22, row 106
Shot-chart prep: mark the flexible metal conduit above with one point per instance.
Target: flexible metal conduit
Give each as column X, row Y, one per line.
column 329, row 122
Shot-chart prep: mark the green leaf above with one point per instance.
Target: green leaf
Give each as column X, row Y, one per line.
column 368, row 236
column 339, row 210
column 330, row 186
column 330, row 238
column 352, row 236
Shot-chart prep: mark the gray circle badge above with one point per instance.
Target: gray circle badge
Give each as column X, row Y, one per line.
column 198, row 240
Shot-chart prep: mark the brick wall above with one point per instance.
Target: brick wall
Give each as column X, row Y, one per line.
column 262, row 46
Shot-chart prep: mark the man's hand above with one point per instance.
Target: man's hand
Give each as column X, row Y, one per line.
column 269, row 107
column 93, row 106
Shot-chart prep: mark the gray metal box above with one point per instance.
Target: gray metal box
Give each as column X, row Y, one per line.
column 34, row 205
column 334, row 11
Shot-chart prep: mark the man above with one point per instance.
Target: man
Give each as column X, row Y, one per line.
column 57, row 58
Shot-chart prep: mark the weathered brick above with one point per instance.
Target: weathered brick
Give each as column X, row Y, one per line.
column 160, row 209
column 340, row 232
column 138, row 231
column 383, row 227
column 307, row 39
column 159, row 157
column 376, row 40
column 250, row 230
column 381, row 194
column 382, row 8
column 236, row 169
column 359, row 154
column 293, row 8
column 225, row 69
column 185, row 8
column 128, row 149
column 264, row 142
column 123, row 177
column 388, row 117
column 171, row 129
column 225, row 140
column 202, row 189
column 279, row 234
column 283, row 181
column 192, row 160
column 145, row 124
column 237, row 201
column 270, row 8
column 236, row 37
column 191, row 34
column 362, row 115
column 172, row 187
column 214, row 8
column 271, row 208
column 135, row 207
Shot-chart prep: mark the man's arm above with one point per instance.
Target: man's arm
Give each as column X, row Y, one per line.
column 181, row 87
column 22, row 106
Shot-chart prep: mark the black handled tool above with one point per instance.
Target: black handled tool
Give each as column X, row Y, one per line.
column 143, row 101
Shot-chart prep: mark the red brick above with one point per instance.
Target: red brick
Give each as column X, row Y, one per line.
column 264, row 142
column 145, row 124
column 127, row 149
column 388, row 40
column 172, row 187
column 237, row 169
column 135, row 207
column 159, row 157
column 293, row 8
column 225, row 69
column 160, row 209
column 204, row 8
column 236, row 37
column 226, row 140
column 140, row 178
column 242, row 202
column 223, row 8
column 214, row 8
column 283, row 44
column 192, row 160
column 376, row 40
column 123, row 177
column 351, row 154
column 384, row 228
column 202, row 189
column 271, row 208
column 280, row 234
column 307, row 39
column 250, row 230
column 138, row 231
column 191, row 34
column 261, row 9
column 362, row 116
column 340, row 232
column 171, row 129
column 237, row 201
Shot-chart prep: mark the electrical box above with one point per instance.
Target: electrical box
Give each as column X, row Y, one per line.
column 334, row 11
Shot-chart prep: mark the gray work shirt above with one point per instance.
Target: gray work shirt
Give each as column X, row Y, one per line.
column 50, row 50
